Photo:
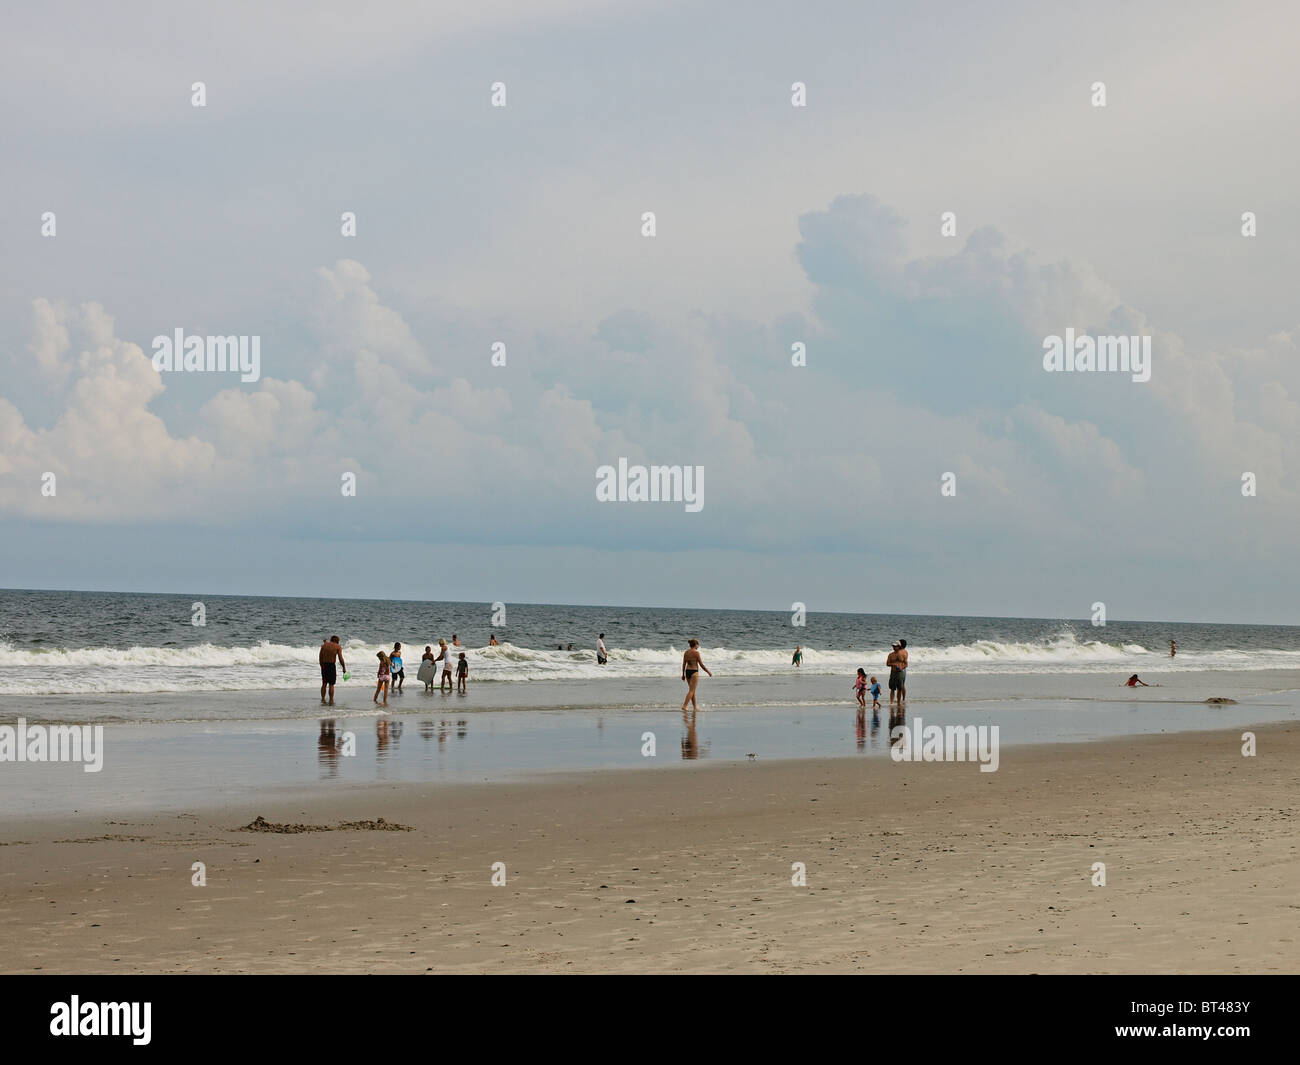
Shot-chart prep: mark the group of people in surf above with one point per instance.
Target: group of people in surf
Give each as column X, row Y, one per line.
column 392, row 671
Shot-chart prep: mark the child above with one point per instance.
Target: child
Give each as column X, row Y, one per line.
column 462, row 673
column 381, row 685
column 875, row 694
column 860, row 686
column 428, row 673
column 399, row 674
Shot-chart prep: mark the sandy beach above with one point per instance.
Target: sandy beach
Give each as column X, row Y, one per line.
column 921, row 867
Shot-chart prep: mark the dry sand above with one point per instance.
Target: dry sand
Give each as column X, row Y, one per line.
column 911, row 868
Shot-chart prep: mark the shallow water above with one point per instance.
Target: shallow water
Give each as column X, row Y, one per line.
column 184, row 766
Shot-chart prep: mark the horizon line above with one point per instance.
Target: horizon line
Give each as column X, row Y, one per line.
column 634, row 606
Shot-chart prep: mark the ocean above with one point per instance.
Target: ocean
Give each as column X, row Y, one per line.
column 204, row 714
column 120, row 644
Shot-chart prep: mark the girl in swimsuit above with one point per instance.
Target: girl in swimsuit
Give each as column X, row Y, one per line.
column 381, row 685
column 692, row 663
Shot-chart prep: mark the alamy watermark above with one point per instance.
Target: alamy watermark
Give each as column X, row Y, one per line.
column 102, row 1018
column 53, row 743
column 209, row 354
column 952, row 743
column 1105, row 354
column 651, row 484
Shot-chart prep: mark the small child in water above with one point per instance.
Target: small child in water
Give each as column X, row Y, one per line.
column 462, row 672
column 860, row 687
column 381, row 685
column 875, row 694
column 428, row 656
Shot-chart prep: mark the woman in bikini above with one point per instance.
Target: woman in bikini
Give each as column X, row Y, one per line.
column 692, row 663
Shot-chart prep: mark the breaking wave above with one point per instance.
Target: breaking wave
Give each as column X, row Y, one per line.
column 211, row 667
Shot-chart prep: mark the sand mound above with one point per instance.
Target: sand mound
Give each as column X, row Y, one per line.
column 263, row 825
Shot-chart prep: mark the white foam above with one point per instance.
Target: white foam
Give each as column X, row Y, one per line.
column 208, row 667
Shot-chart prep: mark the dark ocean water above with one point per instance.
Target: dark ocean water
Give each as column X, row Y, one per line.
column 96, row 643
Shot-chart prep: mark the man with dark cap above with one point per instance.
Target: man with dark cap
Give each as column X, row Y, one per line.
column 891, row 662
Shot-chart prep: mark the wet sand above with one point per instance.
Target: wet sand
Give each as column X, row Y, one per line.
column 918, row 867
column 186, row 766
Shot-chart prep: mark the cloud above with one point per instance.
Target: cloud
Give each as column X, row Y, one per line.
column 111, row 456
column 918, row 366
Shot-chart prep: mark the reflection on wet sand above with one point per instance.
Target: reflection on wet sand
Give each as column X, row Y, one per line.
column 327, row 748
column 897, row 717
column 691, row 749
column 441, row 730
column 334, row 742
column 860, row 729
column 388, row 733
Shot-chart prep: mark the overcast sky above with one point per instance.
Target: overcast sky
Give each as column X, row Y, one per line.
column 775, row 224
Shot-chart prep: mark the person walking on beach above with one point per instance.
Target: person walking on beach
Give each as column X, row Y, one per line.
column 395, row 664
column 692, row 663
column 875, row 694
column 860, row 687
column 797, row 660
column 330, row 653
column 602, row 655
column 462, row 673
column 1173, row 648
column 381, row 682
column 445, row 659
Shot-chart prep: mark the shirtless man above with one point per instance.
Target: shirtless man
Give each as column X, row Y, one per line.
column 692, row 663
column 892, row 664
column 330, row 651
column 902, row 672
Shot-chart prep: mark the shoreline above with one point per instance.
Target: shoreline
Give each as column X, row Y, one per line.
column 171, row 766
column 911, row 868
column 613, row 692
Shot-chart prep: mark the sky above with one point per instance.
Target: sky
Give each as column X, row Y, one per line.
column 775, row 225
